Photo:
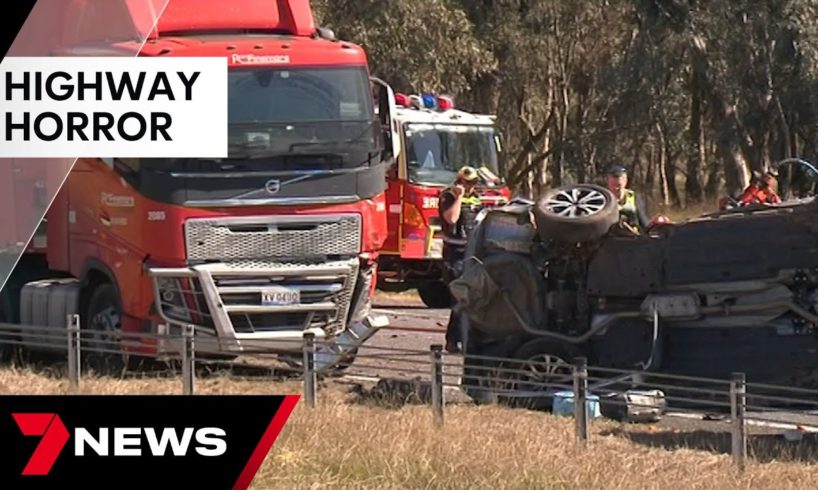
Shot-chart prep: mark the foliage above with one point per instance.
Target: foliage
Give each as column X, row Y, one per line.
column 692, row 95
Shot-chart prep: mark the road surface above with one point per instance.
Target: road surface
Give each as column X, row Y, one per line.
column 414, row 327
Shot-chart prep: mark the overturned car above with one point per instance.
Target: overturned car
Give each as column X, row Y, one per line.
column 545, row 282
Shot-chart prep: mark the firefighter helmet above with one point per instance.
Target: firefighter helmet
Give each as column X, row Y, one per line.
column 467, row 174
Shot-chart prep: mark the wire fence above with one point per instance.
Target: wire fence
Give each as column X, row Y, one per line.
column 431, row 377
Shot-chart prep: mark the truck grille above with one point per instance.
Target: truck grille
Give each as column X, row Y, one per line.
column 294, row 237
column 325, row 289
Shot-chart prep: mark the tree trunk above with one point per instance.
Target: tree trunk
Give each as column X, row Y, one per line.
column 696, row 158
column 736, row 176
column 663, row 169
column 650, row 175
column 714, row 172
column 729, row 138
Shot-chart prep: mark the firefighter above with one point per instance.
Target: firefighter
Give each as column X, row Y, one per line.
column 760, row 191
column 631, row 205
column 458, row 206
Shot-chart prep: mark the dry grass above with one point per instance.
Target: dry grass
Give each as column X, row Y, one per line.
column 342, row 444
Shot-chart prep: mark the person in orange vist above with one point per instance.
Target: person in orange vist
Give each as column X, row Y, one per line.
column 760, row 191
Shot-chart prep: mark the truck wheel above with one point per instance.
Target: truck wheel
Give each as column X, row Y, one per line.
column 435, row 294
column 576, row 213
column 103, row 324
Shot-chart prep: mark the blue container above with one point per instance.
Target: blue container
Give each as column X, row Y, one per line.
column 563, row 404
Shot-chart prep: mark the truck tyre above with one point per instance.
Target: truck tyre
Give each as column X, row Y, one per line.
column 103, row 323
column 576, row 213
column 435, row 294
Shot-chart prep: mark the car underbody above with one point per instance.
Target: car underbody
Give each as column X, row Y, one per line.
column 735, row 291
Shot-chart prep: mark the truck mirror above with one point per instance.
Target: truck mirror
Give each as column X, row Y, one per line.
column 386, row 108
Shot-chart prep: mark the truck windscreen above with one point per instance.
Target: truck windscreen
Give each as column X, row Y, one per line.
column 435, row 152
column 272, row 95
column 304, row 132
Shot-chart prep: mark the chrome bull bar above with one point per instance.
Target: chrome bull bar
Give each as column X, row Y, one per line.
column 217, row 298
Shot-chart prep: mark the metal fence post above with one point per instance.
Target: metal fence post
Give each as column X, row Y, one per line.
column 580, row 400
column 437, row 384
column 310, row 376
column 188, row 361
column 73, row 331
column 738, row 406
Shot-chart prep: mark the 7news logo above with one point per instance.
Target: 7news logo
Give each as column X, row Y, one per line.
column 118, row 441
column 197, row 441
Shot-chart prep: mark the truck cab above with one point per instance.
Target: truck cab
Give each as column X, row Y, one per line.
column 436, row 140
column 254, row 250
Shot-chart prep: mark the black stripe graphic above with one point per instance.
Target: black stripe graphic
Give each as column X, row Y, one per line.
column 13, row 14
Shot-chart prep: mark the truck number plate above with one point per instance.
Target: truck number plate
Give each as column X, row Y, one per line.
column 280, row 296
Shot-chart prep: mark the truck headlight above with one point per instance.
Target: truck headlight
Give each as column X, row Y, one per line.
column 171, row 299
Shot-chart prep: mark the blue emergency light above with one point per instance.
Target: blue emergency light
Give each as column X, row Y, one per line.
column 429, row 101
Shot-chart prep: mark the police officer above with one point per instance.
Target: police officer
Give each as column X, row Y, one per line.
column 631, row 205
column 458, row 206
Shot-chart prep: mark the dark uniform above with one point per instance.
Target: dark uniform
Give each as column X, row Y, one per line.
column 455, row 239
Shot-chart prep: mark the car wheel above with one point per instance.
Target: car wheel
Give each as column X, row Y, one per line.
column 435, row 294
column 576, row 213
column 540, row 366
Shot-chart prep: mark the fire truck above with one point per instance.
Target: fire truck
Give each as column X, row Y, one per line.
column 254, row 250
column 436, row 140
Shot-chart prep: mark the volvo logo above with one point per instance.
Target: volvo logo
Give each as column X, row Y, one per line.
column 272, row 186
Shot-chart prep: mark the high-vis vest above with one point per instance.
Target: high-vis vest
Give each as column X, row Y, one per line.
column 458, row 233
column 628, row 210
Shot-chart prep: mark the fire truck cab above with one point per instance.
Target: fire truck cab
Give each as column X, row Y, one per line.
column 278, row 239
column 436, row 140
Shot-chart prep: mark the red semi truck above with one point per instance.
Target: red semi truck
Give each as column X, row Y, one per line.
column 254, row 250
column 436, row 140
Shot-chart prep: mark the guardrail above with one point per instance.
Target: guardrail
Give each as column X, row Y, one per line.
column 426, row 375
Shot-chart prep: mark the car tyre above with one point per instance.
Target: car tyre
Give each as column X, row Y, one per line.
column 539, row 365
column 577, row 213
